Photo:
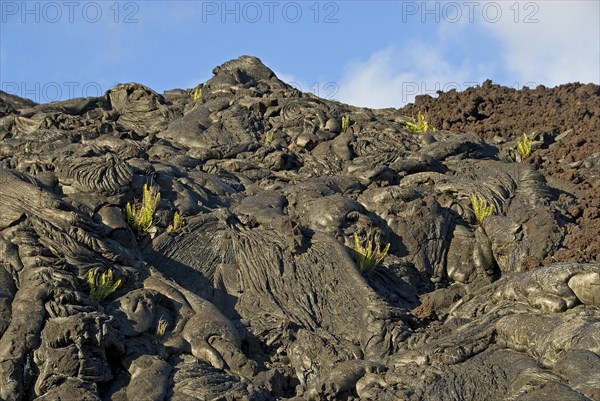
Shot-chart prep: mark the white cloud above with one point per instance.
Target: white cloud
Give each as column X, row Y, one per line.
column 392, row 77
column 562, row 46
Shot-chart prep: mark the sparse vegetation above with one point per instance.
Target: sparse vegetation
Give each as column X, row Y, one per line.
column 345, row 123
column 196, row 94
column 161, row 328
column 140, row 216
column 524, row 145
column 176, row 224
column 421, row 126
column 269, row 136
column 368, row 251
column 103, row 285
column 481, row 209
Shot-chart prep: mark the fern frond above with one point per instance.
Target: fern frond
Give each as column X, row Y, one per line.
column 421, row 126
column 140, row 215
column 481, row 209
column 103, row 285
column 369, row 252
column 524, row 145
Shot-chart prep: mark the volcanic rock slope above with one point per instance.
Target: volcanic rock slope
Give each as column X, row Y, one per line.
column 257, row 295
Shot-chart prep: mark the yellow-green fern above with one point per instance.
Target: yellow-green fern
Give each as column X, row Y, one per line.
column 345, row 123
column 197, row 94
column 103, row 285
column 161, row 328
column 140, row 215
column 176, row 224
column 421, row 126
column 481, row 209
column 524, row 146
column 368, row 252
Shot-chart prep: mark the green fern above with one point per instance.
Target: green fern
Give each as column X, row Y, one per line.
column 481, row 209
column 524, row 145
column 368, row 252
column 161, row 328
column 176, row 224
column 140, row 216
column 196, row 94
column 345, row 123
column 103, row 285
column 421, row 126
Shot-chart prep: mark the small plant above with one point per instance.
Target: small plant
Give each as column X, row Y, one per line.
column 421, row 126
column 481, row 209
column 269, row 136
column 140, row 215
column 197, row 94
column 176, row 224
column 345, row 123
column 368, row 251
column 103, row 285
column 161, row 328
column 524, row 145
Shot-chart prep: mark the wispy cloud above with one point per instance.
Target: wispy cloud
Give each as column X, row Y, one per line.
column 393, row 77
column 435, row 58
column 533, row 43
column 551, row 42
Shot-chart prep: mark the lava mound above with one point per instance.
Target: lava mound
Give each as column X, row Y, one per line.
column 243, row 240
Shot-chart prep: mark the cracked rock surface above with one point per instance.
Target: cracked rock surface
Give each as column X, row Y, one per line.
column 258, row 294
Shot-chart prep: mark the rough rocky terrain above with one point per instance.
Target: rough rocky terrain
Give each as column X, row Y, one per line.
column 566, row 121
column 258, row 295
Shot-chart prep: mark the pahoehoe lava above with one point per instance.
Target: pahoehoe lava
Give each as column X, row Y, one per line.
column 258, row 295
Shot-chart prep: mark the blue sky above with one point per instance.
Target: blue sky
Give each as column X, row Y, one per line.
column 366, row 53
